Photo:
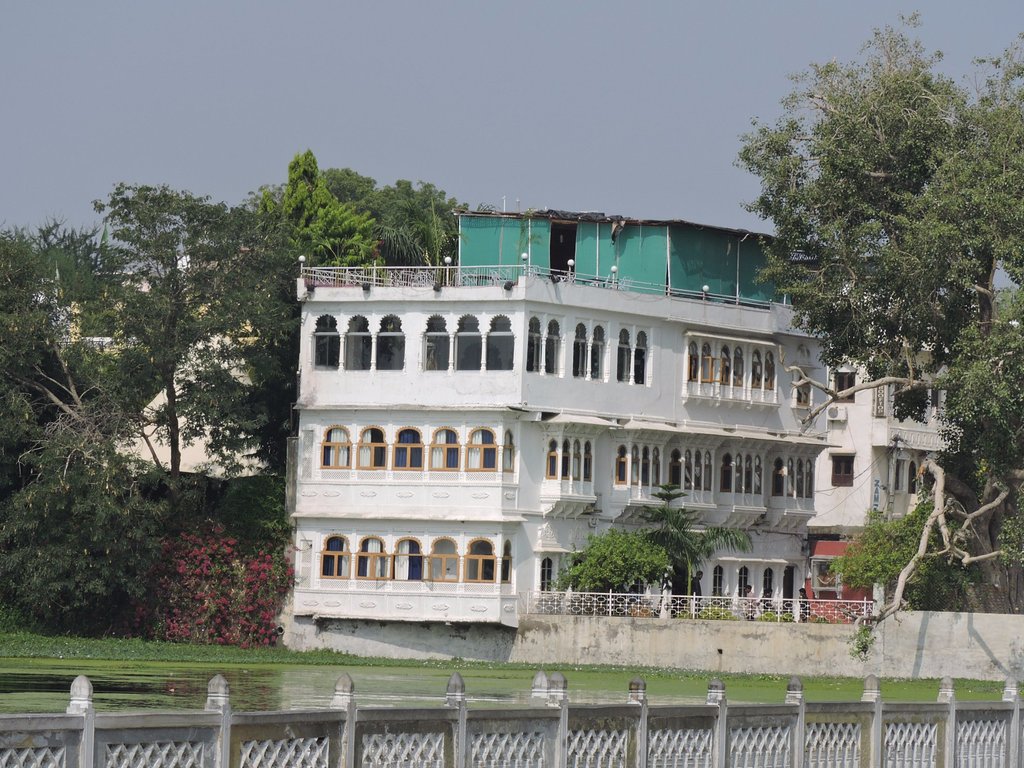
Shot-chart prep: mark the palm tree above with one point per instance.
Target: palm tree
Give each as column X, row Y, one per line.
column 688, row 545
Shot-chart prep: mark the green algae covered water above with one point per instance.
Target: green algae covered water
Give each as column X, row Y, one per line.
column 33, row 685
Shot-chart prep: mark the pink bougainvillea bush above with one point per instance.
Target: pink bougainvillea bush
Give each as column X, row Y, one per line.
column 205, row 591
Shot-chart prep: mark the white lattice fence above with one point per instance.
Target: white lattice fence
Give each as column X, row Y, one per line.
column 285, row 753
column 910, row 745
column 759, row 747
column 832, row 745
column 981, row 744
column 680, row 748
column 40, row 757
column 597, row 749
column 403, row 750
column 507, row 750
column 155, row 754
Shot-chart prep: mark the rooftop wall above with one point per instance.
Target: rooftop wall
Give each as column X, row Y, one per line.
column 647, row 256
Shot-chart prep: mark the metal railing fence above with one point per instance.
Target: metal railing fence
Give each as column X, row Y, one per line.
column 711, row 608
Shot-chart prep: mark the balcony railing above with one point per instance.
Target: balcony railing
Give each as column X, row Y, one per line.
column 712, row 608
column 499, row 275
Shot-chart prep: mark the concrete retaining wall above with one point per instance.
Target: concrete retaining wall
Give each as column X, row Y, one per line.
column 916, row 644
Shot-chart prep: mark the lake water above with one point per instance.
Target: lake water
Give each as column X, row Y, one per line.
column 43, row 685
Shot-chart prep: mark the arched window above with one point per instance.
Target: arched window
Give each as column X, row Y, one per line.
column 408, row 451
column 336, row 449
column 757, row 475
column 408, row 560
column 799, row 477
column 756, row 379
column 566, row 459
column 334, row 559
column 506, row 562
column 725, row 474
column 444, row 561
column 579, row 352
column 500, row 345
column 622, row 357
column 768, row 583
column 597, row 355
column 696, row 470
column 743, row 580
column 912, row 478
column 534, row 346
column 547, row 574
column 326, row 343
column 552, row 348
column 551, row 472
column 373, row 451
column 480, row 561
column 645, row 466
column 640, row 359
column 372, row 562
column 809, row 480
column 358, row 344
column 577, row 460
column 620, row 465
column 737, row 367
column 769, row 370
column 748, row 474
column 778, row 478
column 508, row 453
column 437, row 351
column 444, row 451
column 588, row 462
column 634, row 465
column 707, row 470
column 692, row 362
column 468, row 344
column 390, row 345
column 791, row 479
column 725, row 367
column 717, row 580
column 675, row 468
column 707, row 364
column 481, row 451
column 656, row 467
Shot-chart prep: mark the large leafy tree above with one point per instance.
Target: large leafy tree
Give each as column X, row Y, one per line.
column 78, row 520
column 194, row 299
column 903, row 193
column 415, row 223
column 330, row 232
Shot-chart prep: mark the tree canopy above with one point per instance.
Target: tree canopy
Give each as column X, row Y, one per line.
column 617, row 561
column 903, row 193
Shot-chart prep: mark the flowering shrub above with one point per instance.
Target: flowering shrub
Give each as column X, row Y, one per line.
column 204, row 591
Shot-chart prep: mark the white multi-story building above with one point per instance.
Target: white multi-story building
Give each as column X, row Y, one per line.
column 462, row 428
column 872, row 463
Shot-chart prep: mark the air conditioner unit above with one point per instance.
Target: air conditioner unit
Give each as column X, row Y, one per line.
column 836, row 413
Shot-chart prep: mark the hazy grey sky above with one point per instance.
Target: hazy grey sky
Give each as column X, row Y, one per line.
column 630, row 108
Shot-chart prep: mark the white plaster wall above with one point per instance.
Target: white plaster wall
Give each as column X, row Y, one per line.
column 540, row 516
column 917, row 644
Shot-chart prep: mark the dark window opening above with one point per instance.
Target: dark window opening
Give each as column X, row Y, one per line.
column 563, row 246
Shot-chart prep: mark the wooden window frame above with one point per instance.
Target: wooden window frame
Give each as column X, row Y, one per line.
column 336, row 446
column 343, row 555
column 373, row 446
column 483, row 448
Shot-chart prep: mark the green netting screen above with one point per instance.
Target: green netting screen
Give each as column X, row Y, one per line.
column 751, row 262
column 702, row 257
column 641, row 253
column 487, row 241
